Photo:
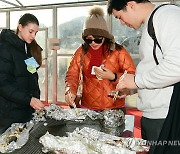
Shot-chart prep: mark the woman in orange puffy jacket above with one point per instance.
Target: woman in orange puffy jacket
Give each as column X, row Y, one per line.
column 100, row 62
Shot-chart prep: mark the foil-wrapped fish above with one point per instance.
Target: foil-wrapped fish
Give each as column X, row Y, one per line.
column 15, row 136
column 91, row 141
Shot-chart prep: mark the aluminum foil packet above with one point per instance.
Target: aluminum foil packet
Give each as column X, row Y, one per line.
column 58, row 113
column 15, row 136
column 91, row 141
column 111, row 121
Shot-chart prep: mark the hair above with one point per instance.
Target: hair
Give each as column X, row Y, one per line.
column 34, row 46
column 36, row 51
column 120, row 4
column 26, row 19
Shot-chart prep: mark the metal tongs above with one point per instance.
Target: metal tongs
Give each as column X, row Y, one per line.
column 120, row 79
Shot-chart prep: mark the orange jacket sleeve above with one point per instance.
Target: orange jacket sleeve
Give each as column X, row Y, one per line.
column 73, row 72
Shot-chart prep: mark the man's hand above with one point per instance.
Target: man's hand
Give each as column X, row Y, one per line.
column 120, row 94
column 127, row 82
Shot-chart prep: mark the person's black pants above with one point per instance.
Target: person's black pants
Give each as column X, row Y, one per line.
column 150, row 130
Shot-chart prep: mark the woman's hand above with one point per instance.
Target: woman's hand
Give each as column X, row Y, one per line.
column 69, row 98
column 104, row 73
column 36, row 104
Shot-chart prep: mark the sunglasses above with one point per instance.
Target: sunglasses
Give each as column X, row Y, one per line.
column 96, row 40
